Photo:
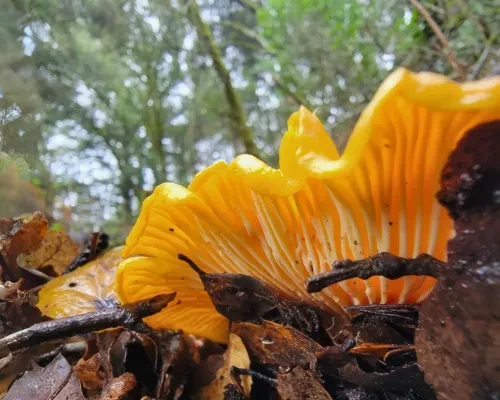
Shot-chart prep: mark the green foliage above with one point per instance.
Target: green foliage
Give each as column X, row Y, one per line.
column 14, row 162
column 105, row 99
column 56, row 227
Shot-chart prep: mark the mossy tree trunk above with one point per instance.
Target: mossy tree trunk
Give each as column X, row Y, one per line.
column 237, row 113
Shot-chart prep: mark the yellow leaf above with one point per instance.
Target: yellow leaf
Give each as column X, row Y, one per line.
column 236, row 355
column 86, row 289
column 57, row 251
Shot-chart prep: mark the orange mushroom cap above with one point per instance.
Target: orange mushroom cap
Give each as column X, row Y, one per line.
column 285, row 225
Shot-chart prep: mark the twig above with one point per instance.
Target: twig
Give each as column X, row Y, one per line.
column 383, row 264
column 450, row 54
column 234, row 371
column 298, row 99
column 254, row 6
column 381, row 307
column 64, row 349
column 129, row 315
column 476, row 70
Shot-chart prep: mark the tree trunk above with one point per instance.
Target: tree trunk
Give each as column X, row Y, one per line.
column 154, row 125
column 236, row 114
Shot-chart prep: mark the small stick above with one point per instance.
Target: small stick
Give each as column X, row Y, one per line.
column 450, row 54
column 64, row 349
column 381, row 307
column 382, row 264
column 254, row 374
column 129, row 316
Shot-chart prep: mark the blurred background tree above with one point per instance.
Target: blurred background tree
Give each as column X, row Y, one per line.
column 101, row 100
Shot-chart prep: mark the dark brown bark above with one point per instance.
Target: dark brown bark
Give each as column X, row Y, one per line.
column 458, row 341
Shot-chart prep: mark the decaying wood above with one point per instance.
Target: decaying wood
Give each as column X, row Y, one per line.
column 458, row 342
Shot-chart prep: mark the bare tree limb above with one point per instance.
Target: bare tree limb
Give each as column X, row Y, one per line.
column 253, row 5
column 450, row 54
column 251, row 34
column 478, row 66
column 237, row 113
column 299, row 100
column 382, row 264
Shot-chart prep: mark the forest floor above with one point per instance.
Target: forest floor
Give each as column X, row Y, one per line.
column 277, row 349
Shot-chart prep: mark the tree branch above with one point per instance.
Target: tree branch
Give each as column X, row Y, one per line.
column 237, row 114
column 450, row 54
column 251, row 34
column 478, row 66
column 129, row 315
column 253, row 5
column 383, row 264
column 266, row 46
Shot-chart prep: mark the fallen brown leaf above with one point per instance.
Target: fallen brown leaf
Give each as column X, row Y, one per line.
column 15, row 316
column 277, row 345
column 175, row 365
column 55, row 253
column 55, row 381
column 384, row 323
column 237, row 297
column 235, row 356
column 118, row 353
column 89, row 372
column 9, row 290
column 119, row 387
column 300, row 384
column 24, row 237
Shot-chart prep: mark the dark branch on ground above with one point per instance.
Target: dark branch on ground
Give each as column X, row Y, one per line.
column 254, row 374
column 382, row 264
column 129, row 316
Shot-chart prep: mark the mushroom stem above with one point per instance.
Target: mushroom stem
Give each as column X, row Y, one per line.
column 382, row 264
